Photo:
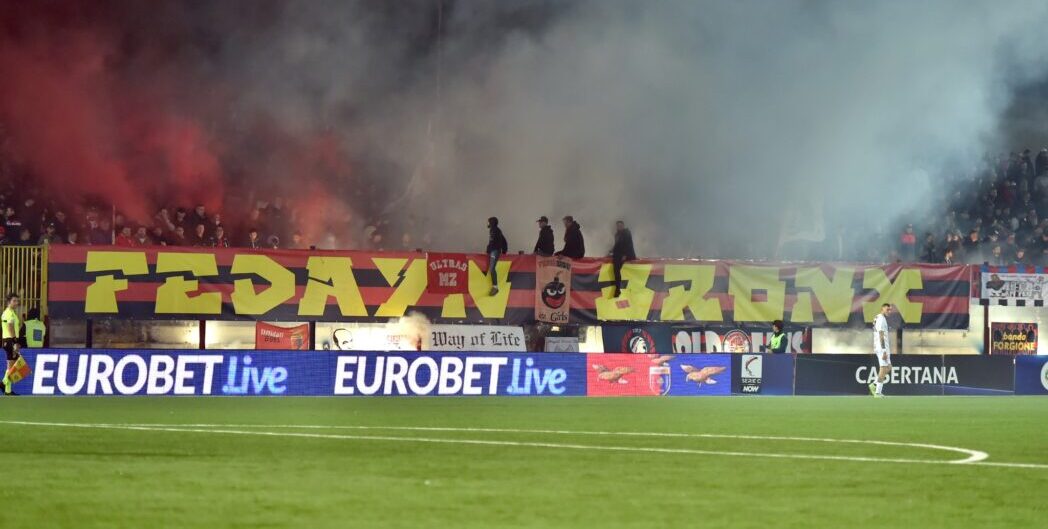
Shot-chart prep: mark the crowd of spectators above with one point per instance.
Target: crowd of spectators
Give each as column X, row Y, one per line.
column 26, row 218
column 997, row 213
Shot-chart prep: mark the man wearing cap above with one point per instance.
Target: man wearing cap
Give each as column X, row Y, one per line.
column 544, row 246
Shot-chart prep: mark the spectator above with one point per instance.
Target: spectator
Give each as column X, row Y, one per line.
column 297, row 242
column 73, row 238
column 574, row 245
column 929, row 253
column 49, row 236
column 95, row 234
column 1010, row 245
column 162, row 221
column 1019, row 258
column 908, row 244
column 996, row 256
column 199, row 217
column 544, row 246
column 253, row 241
column 32, row 215
column 947, row 257
column 157, row 236
column 199, row 236
column 621, row 252
column 124, row 239
column 142, row 237
column 219, row 239
column 12, row 224
column 25, row 237
column 178, row 238
column 497, row 246
column 61, row 225
column 181, row 221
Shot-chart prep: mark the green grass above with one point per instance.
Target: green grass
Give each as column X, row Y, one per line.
column 85, row 478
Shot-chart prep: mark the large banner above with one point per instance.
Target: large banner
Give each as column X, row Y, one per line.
column 926, row 296
column 295, row 285
column 1013, row 338
column 276, row 285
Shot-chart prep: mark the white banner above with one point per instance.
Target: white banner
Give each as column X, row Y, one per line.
column 401, row 337
column 1014, row 289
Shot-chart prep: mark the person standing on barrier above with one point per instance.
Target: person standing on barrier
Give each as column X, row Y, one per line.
column 621, row 252
column 11, row 325
column 882, row 350
column 497, row 246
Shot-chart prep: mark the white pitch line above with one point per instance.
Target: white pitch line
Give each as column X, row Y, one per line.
column 973, row 455
column 183, row 429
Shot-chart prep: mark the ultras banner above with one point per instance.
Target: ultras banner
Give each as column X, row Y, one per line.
column 277, row 285
column 297, row 285
column 927, row 296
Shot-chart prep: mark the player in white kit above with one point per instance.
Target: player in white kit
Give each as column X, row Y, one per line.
column 882, row 349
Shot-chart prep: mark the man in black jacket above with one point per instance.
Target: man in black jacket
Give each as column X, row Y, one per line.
column 574, row 246
column 544, row 246
column 497, row 246
column 621, row 252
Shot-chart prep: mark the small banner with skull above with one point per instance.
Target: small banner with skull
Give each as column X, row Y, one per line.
column 553, row 289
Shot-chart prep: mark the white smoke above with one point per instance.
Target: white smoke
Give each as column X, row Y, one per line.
column 415, row 327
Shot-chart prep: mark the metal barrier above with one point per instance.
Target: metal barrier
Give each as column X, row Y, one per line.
column 23, row 271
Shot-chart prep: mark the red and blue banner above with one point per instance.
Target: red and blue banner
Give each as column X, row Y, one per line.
column 316, row 285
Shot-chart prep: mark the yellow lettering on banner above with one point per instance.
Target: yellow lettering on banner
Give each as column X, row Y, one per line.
column 173, row 296
column 281, row 284
column 331, row 277
column 410, row 289
column 743, row 280
column 480, row 290
column 636, row 298
column 101, row 294
column 691, row 296
column 896, row 293
column 834, row 295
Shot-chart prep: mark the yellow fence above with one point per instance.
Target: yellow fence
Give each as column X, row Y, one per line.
column 23, row 271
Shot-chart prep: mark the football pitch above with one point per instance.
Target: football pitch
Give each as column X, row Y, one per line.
column 524, row 462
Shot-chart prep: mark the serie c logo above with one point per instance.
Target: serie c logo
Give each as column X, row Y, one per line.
column 1044, row 375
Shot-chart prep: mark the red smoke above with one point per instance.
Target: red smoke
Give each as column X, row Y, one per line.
column 82, row 131
column 97, row 106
